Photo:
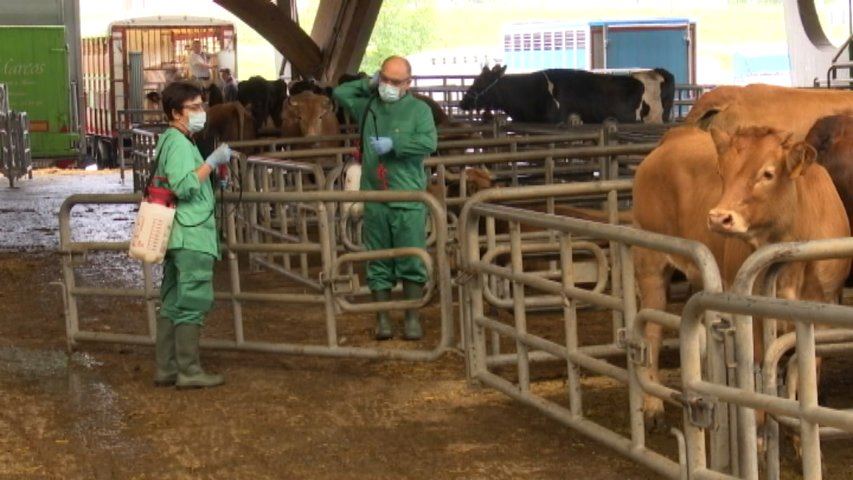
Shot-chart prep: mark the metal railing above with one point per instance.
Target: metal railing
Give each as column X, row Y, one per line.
column 568, row 292
column 16, row 157
column 336, row 297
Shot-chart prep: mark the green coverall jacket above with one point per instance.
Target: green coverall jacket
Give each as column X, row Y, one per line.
column 186, row 293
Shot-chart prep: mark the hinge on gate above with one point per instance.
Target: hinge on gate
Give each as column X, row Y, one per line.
column 724, row 332
column 638, row 352
column 622, row 338
column 75, row 259
column 465, row 275
column 759, row 381
column 700, row 410
column 341, row 284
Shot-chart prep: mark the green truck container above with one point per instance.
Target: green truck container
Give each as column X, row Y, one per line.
column 34, row 64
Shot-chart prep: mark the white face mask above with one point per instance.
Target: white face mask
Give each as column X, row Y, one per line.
column 389, row 93
column 196, row 121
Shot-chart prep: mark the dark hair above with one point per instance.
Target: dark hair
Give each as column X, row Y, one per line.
column 225, row 70
column 175, row 94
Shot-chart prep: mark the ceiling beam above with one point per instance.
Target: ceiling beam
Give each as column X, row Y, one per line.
column 284, row 34
column 341, row 30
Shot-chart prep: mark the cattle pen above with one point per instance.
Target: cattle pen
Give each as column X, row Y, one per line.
column 538, row 307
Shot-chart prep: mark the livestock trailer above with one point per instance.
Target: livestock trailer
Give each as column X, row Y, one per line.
column 136, row 57
column 668, row 43
column 40, row 66
column 603, row 45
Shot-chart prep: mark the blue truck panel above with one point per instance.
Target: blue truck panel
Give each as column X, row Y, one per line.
column 646, row 48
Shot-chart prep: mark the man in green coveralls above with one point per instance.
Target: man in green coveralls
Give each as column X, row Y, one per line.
column 397, row 133
column 187, row 289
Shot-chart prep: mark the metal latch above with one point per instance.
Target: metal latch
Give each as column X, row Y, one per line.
column 701, row 411
column 638, row 353
column 724, row 332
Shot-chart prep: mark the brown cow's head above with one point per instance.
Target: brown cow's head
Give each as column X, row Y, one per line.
column 758, row 167
column 309, row 115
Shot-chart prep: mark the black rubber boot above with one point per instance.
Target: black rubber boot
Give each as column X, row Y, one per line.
column 190, row 374
column 384, row 330
column 164, row 354
column 412, row 329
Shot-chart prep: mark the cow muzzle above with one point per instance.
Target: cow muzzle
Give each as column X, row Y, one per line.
column 726, row 221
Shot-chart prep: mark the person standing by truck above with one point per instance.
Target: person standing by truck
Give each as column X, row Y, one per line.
column 199, row 65
column 229, row 85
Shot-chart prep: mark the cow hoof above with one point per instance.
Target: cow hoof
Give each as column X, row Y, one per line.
column 653, row 414
column 655, row 421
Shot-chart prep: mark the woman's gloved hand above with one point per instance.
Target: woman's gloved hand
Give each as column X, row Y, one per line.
column 220, row 156
column 381, row 145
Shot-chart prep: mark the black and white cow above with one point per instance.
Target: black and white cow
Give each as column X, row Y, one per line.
column 550, row 96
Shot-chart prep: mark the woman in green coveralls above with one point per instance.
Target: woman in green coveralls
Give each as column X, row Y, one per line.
column 397, row 132
column 187, row 290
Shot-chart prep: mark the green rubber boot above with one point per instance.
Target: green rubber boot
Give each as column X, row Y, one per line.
column 190, row 374
column 164, row 354
column 412, row 329
column 384, row 330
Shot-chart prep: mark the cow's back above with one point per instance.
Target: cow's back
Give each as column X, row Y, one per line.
column 793, row 110
column 595, row 97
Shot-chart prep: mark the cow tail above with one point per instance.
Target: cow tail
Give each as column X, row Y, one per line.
column 667, row 93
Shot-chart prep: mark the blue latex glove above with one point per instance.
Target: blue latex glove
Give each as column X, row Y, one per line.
column 381, row 145
column 221, row 155
column 374, row 80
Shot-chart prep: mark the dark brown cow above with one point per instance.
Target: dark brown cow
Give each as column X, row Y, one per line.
column 751, row 188
column 832, row 138
column 226, row 122
column 308, row 114
column 790, row 109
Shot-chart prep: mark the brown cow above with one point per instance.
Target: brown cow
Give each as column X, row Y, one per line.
column 308, row 114
column 226, row 122
column 790, row 109
column 229, row 122
column 751, row 188
column 832, row 138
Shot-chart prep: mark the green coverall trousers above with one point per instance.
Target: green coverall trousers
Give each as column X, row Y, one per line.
column 187, row 290
column 394, row 227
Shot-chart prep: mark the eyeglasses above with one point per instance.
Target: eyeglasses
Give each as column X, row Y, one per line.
column 195, row 107
column 393, row 81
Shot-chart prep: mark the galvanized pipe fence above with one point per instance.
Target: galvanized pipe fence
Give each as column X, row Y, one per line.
column 336, row 295
column 710, row 388
column 566, row 292
column 717, row 397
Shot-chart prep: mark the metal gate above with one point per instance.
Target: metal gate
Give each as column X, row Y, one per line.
column 16, row 158
column 717, row 394
column 338, row 292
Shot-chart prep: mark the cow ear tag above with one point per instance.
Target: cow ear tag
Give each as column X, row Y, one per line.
column 800, row 156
